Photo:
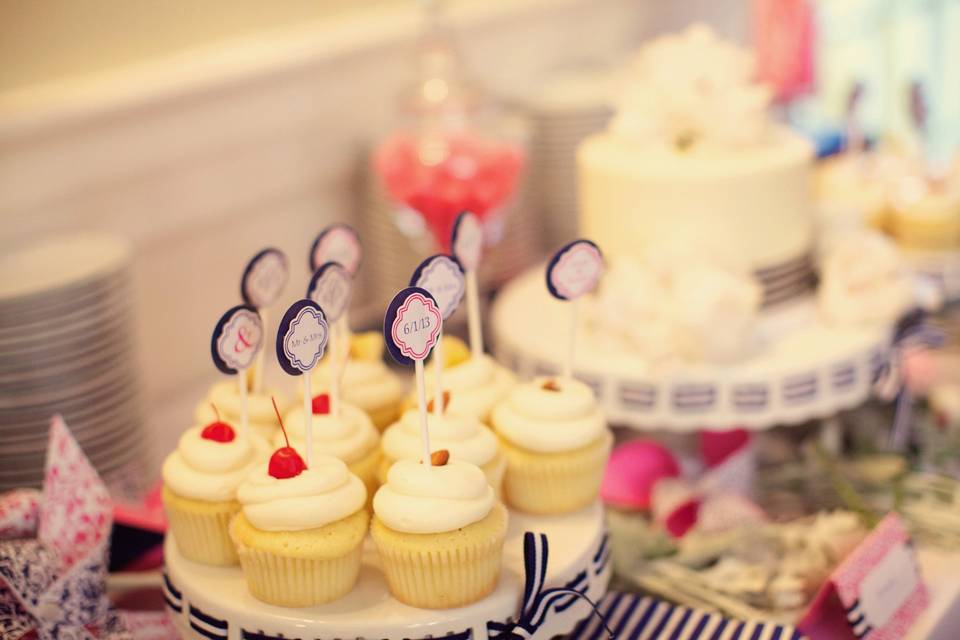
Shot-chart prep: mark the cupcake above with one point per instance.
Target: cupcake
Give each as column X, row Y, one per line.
column 299, row 533
column 366, row 380
column 351, row 437
column 226, row 396
column 200, row 480
column 439, row 531
column 475, row 386
column 465, row 437
column 556, row 442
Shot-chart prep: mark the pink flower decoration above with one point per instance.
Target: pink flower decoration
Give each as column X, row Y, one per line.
column 633, row 470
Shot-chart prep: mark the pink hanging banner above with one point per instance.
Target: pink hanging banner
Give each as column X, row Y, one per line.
column 784, row 37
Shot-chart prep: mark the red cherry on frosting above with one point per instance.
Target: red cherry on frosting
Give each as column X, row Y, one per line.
column 285, row 461
column 321, row 404
column 218, row 431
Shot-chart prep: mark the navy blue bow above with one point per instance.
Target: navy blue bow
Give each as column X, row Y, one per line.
column 913, row 332
column 537, row 602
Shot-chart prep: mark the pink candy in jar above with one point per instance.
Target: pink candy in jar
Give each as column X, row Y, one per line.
column 443, row 175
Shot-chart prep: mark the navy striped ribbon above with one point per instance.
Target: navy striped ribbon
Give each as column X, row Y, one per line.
column 636, row 617
column 537, row 601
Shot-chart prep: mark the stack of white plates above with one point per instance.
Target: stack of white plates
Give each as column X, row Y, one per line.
column 390, row 256
column 565, row 109
column 67, row 347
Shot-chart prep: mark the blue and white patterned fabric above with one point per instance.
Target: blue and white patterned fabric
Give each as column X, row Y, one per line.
column 635, row 617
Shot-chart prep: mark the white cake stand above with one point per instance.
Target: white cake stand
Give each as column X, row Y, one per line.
column 214, row 603
column 799, row 369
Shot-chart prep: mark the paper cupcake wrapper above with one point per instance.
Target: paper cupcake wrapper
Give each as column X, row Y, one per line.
column 441, row 578
column 298, row 582
column 383, row 417
column 553, row 484
column 202, row 535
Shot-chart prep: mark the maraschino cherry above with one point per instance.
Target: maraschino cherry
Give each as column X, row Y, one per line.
column 285, row 461
column 218, row 431
column 321, row 404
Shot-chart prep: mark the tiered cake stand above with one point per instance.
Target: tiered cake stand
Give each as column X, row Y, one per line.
column 801, row 368
column 213, row 602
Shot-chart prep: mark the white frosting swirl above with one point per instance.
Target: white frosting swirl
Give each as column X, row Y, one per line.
column 475, row 385
column 693, row 85
column 348, row 437
column 368, row 384
column 419, row 498
column 209, row 470
column 678, row 309
column 548, row 421
column 864, row 280
column 465, row 437
column 324, row 493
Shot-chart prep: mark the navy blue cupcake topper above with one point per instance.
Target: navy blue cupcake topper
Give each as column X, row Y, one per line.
column 264, row 278
column 442, row 276
column 575, row 270
column 301, row 337
column 466, row 241
column 331, row 287
column 412, row 325
column 237, row 338
column 337, row 243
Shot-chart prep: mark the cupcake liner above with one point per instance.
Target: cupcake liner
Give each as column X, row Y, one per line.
column 382, row 417
column 298, row 582
column 554, row 483
column 301, row 568
column 201, row 529
column 443, row 575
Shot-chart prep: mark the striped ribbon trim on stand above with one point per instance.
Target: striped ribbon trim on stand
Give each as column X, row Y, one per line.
column 537, row 601
column 634, row 617
column 787, row 280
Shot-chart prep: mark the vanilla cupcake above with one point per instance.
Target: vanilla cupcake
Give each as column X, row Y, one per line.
column 556, row 442
column 351, row 437
column 475, row 386
column 300, row 531
column 226, row 397
column 200, row 480
column 439, row 531
column 465, row 437
column 366, row 381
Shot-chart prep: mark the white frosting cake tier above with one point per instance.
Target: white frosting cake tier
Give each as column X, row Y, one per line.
column 797, row 367
column 751, row 204
column 213, row 602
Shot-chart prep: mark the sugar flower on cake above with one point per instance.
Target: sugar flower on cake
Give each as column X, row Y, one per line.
column 715, row 310
column 692, row 88
column 864, row 280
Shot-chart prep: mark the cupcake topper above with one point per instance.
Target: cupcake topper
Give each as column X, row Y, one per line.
column 236, row 340
column 411, row 328
column 442, row 276
column 337, row 243
column 466, row 244
column 301, row 338
column 263, row 280
column 331, row 287
column 573, row 271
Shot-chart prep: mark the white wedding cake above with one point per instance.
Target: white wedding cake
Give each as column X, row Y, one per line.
column 692, row 159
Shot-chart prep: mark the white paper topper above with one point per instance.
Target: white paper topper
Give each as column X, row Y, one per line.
column 575, row 270
column 337, row 243
column 331, row 287
column 264, row 278
column 442, row 276
column 411, row 325
column 237, row 338
column 466, row 242
column 301, row 337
